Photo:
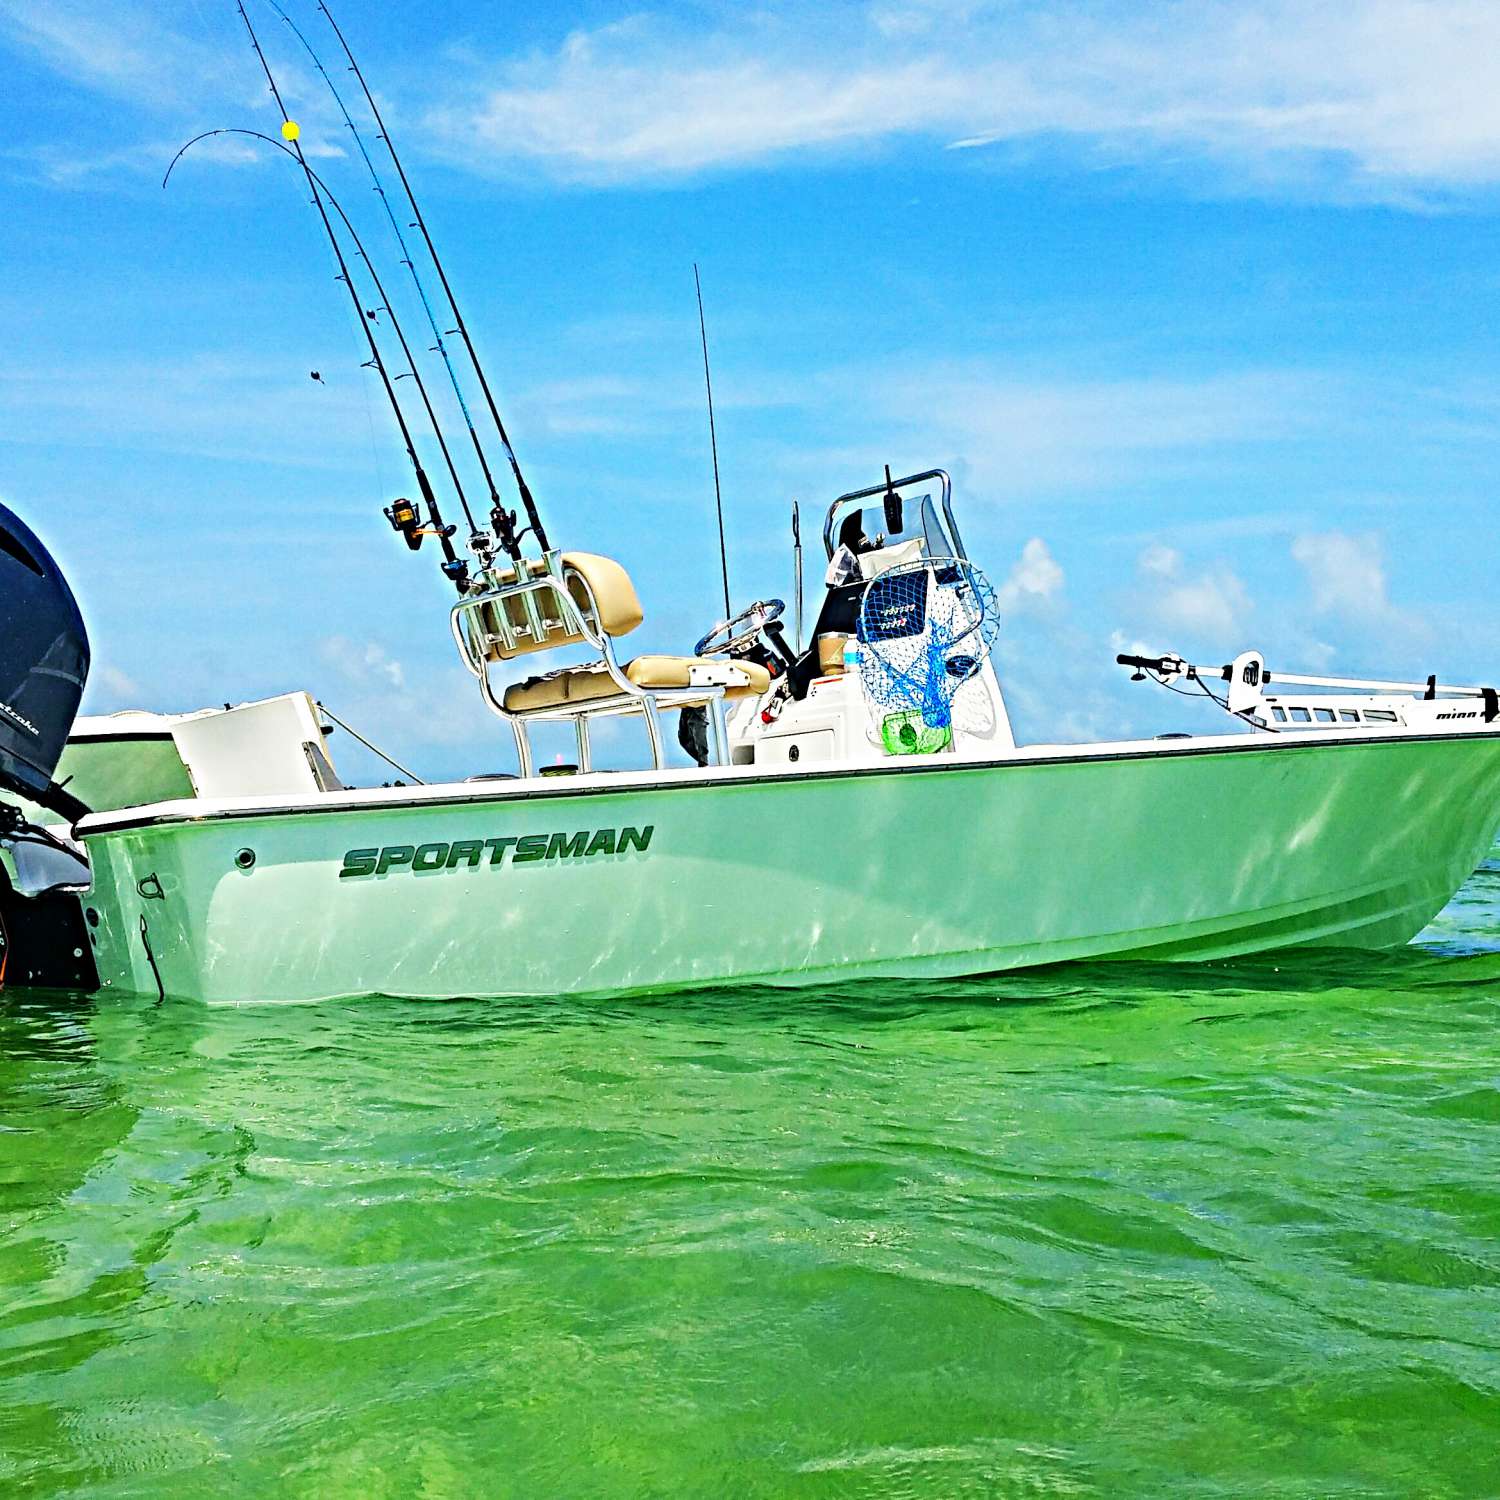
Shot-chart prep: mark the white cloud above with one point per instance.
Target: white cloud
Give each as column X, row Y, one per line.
column 120, row 686
column 1391, row 99
column 64, row 164
column 428, row 718
column 1160, row 562
column 363, row 662
column 1035, row 580
column 116, row 48
column 1382, row 97
column 170, row 61
column 1020, row 436
column 592, row 406
column 1213, row 606
column 1124, row 644
column 615, row 102
column 1345, row 574
column 1346, row 581
column 1209, row 605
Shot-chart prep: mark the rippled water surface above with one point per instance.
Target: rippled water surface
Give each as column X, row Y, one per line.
column 1108, row 1230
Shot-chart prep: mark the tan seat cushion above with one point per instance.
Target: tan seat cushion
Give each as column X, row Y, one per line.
column 619, row 605
column 539, row 692
column 673, row 672
column 592, row 683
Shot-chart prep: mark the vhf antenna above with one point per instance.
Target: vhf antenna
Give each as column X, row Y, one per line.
column 454, row 566
column 892, row 504
column 797, row 569
column 439, row 347
column 504, row 522
column 713, row 441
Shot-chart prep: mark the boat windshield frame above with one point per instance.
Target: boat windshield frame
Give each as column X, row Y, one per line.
column 854, row 500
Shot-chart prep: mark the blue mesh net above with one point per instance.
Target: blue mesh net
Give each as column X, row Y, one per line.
column 924, row 630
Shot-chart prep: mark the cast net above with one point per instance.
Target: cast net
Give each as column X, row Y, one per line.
column 925, row 629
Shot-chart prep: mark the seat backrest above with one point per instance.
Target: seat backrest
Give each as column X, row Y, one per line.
column 599, row 590
column 618, row 606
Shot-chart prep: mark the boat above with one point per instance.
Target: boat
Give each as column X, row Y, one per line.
column 855, row 803
column 824, row 835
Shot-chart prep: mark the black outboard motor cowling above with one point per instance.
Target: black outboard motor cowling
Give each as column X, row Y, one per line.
column 44, row 662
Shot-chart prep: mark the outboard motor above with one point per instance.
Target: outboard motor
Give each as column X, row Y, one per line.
column 44, row 662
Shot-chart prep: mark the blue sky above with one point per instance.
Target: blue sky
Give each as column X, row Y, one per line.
column 1197, row 302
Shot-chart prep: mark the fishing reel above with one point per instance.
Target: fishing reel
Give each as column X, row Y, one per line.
column 402, row 515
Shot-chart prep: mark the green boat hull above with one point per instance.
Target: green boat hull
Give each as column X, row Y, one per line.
column 112, row 771
column 640, row 882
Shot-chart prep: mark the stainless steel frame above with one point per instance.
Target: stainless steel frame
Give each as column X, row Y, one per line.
column 899, row 484
column 548, row 591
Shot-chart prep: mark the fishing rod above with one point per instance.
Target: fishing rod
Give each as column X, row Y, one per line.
column 329, row 198
column 504, row 523
column 439, row 346
column 400, row 514
column 401, row 517
column 713, row 441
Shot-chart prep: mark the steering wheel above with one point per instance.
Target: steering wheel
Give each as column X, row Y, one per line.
column 741, row 630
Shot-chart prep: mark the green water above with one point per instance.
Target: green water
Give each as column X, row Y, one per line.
column 1110, row 1230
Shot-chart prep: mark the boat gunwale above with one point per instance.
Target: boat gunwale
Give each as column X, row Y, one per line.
column 189, row 811
column 119, row 737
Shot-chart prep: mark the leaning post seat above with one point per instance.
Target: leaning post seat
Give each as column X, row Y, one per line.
column 590, row 684
column 518, row 617
column 580, row 598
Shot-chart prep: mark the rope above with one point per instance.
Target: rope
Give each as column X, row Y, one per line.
column 373, row 749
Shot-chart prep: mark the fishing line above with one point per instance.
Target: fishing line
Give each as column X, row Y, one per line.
column 504, row 523
column 226, row 57
column 375, row 459
column 439, row 346
column 367, row 402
